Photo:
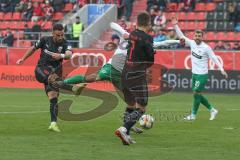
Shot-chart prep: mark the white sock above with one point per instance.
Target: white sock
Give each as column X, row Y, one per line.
column 212, row 110
column 53, row 123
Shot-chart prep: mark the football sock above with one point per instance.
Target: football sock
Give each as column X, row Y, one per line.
column 53, row 109
column 126, row 113
column 196, row 103
column 131, row 119
column 75, row 79
column 205, row 102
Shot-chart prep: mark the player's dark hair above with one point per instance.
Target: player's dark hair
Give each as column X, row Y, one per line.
column 58, row 27
column 143, row 19
column 199, row 31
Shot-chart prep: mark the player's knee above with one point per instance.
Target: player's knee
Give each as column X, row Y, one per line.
column 197, row 93
column 91, row 78
column 131, row 106
column 141, row 108
column 97, row 78
column 131, row 103
column 197, row 96
column 53, row 77
column 52, row 94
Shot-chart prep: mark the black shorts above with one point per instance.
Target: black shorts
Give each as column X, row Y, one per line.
column 42, row 73
column 135, row 88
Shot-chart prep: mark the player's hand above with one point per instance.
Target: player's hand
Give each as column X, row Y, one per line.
column 224, row 73
column 110, row 46
column 56, row 56
column 174, row 20
column 125, row 36
column 182, row 42
column 20, row 61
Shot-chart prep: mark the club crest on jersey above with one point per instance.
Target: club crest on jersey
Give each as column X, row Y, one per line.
column 60, row 49
column 196, row 55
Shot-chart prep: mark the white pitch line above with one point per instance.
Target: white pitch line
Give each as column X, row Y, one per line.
column 19, row 106
column 234, row 109
column 24, row 112
column 229, row 128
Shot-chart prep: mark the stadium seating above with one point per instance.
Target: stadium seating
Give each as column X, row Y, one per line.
column 200, row 7
column 230, row 36
column 221, row 7
column 68, row 7
column 14, row 22
column 201, row 16
column 211, row 17
column 7, row 16
column 221, row 36
column 210, row 36
column 220, row 16
column 237, row 36
column 220, row 26
column 16, row 16
column 210, row 7
column 57, row 16
column 212, row 44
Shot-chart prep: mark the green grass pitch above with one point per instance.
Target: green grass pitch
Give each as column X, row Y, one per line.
column 24, row 120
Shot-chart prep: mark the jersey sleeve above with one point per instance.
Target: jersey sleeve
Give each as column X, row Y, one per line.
column 40, row 43
column 181, row 35
column 118, row 29
column 214, row 58
column 165, row 43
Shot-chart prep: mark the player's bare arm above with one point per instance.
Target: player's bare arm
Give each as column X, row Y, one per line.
column 66, row 56
column 25, row 56
column 216, row 61
column 174, row 21
column 224, row 73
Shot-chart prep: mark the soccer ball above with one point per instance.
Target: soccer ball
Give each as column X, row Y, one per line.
column 146, row 121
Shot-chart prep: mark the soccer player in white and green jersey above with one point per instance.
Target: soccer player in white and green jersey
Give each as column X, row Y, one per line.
column 200, row 54
column 112, row 70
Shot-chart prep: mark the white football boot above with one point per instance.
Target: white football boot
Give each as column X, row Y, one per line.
column 190, row 117
column 122, row 134
column 213, row 114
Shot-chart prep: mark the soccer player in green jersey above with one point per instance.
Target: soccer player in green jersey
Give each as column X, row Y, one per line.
column 112, row 70
column 200, row 54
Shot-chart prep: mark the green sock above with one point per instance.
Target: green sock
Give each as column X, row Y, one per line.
column 75, row 79
column 196, row 103
column 205, row 102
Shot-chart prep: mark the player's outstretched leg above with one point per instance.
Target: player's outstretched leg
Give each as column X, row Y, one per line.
column 75, row 79
column 82, row 79
column 213, row 111
column 56, row 82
